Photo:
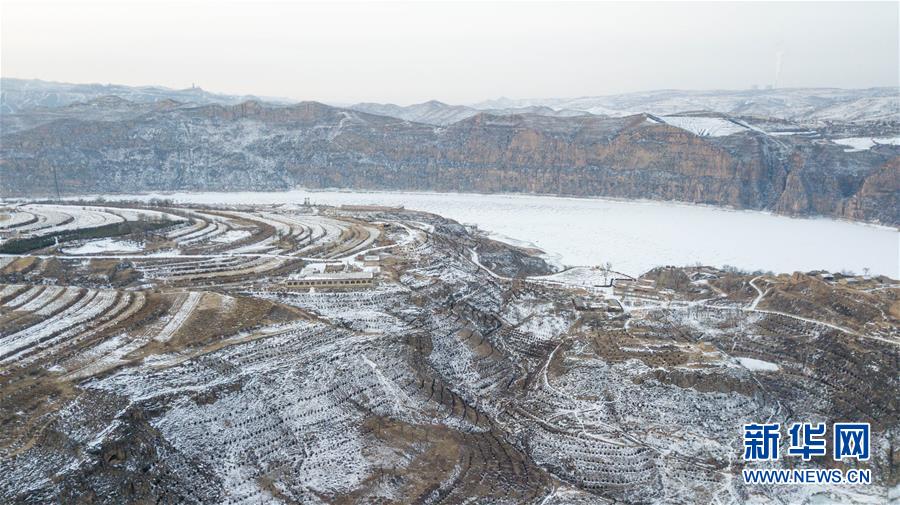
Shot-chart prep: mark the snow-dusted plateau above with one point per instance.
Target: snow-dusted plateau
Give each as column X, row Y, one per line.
column 249, row 351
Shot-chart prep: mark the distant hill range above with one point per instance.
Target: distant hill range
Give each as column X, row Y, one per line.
column 22, row 94
column 794, row 104
column 807, row 105
column 438, row 113
column 748, row 156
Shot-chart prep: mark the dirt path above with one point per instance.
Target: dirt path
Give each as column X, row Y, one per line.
column 759, row 297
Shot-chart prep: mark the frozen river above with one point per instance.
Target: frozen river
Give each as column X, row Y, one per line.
column 633, row 236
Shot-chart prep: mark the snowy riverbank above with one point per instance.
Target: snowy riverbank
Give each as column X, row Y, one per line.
column 634, row 236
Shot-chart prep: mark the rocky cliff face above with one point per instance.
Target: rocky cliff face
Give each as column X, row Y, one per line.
column 256, row 146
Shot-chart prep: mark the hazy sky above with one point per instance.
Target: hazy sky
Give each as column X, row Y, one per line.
column 455, row 52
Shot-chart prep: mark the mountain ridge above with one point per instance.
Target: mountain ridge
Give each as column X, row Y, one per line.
column 796, row 104
column 258, row 146
column 802, row 104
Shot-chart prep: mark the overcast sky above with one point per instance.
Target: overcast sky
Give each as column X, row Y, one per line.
column 454, row 52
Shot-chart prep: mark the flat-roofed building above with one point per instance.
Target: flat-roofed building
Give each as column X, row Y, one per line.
column 338, row 280
column 371, row 208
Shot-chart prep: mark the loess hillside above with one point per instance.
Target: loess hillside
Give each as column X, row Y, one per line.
column 308, row 354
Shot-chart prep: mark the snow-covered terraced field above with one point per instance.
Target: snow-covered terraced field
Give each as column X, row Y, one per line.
column 176, row 320
column 15, row 217
column 32, row 220
column 208, row 227
column 59, row 326
column 206, row 244
column 75, row 217
column 44, row 220
column 294, row 234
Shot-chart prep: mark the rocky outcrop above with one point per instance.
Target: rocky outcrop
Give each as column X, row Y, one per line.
column 879, row 196
column 259, row 146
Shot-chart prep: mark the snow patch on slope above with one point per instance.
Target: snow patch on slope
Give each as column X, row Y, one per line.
column 105, row 245
column 758, row 365
column 865, row 143
column 705, row 126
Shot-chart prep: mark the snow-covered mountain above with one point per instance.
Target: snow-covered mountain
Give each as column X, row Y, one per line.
column 799, row 104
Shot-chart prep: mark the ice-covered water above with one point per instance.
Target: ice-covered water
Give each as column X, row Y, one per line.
column 634, row 236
